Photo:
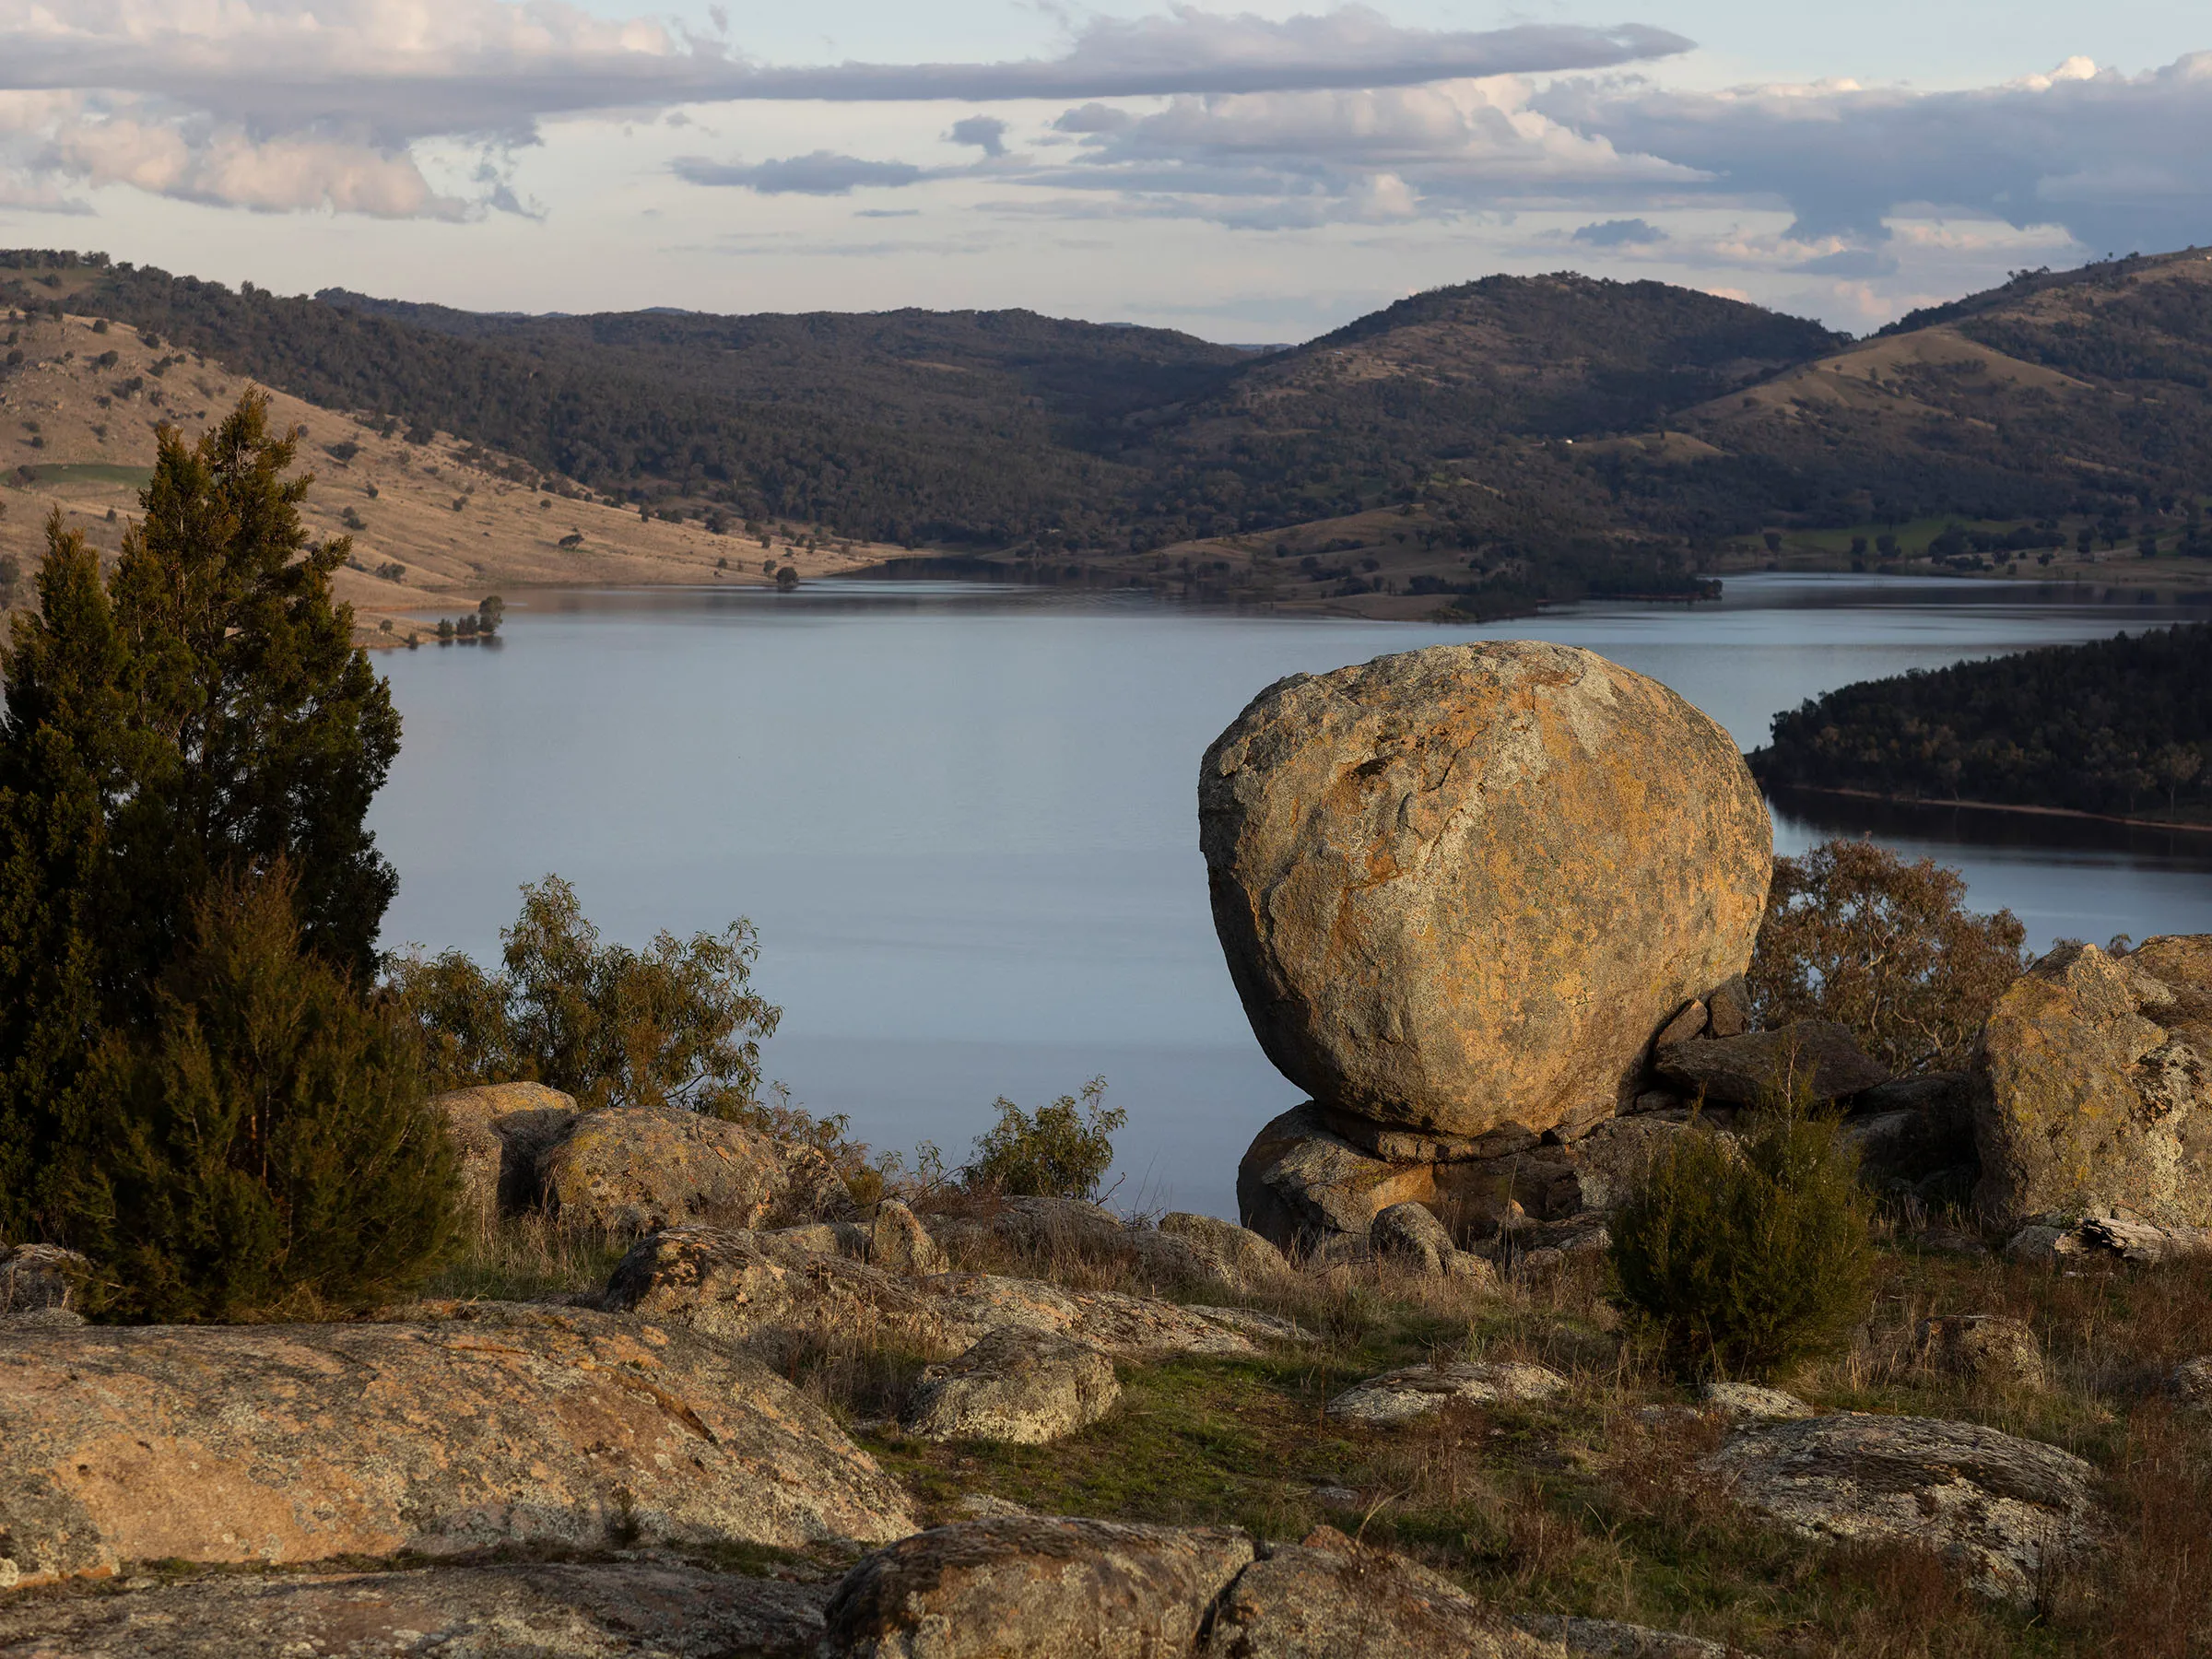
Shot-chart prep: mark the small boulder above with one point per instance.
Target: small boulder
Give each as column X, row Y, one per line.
column 1689, row 1023
column 1024, row 1388
column 1420, row 1391
column 1235, row 1257
column 897, row 1242
column 1034, row 1588
column 2000, row 1507
column 1461, row 887
column 1410, row 1235
column 1817, row 1056
column 499, row 1130
column 41, row 1279
column 1329, row 1598
column 1749, row 1403
column 1300, row 1184
column 625, row 1171
column 2093, row 1087
column 1985, row 1348
column 1070, row 1226
column 1728, row 1007
column 2191, row 1384
column 476, row 1427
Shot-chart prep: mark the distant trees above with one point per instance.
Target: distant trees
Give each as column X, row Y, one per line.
column 2106, row 727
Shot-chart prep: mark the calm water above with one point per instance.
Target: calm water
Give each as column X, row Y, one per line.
column 965, row 821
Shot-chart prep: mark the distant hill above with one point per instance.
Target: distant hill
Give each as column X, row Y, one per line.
column 2121, row 726
column 1525, row 438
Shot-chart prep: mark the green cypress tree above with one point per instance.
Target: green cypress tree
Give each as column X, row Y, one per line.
column 200, row 714
column 269, row 1146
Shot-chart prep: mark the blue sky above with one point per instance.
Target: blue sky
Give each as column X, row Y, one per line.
column 1258, row 172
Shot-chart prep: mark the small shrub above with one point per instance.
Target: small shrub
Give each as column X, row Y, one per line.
column 1062, row 1152
column 1856, row 934
column 676, row 1023
column 1745, row 1258
column 266, row 1145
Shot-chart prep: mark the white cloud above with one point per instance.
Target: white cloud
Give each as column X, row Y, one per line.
column 822, row 172
column 2118, row 161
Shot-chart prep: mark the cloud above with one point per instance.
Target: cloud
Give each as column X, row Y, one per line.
column 1850, row 262
column 319, row 103
column 986, row 132
column 820, row 172
column 1621, row 233
column 2118, row 161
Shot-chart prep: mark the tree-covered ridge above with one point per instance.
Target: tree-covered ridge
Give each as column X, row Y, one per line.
column 2121, row 725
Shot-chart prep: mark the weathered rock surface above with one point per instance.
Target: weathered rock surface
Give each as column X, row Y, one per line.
column 631, row 1170
column 1411, row 1235
column 2192, row 1382
column 1816, row 1056
column 1987, row 1348
column 1233, row 1255
column 1997, row 1505
column 899, row 1242
column 1024, row 1388
column 2060, row 1239
column 1728, row 1007
column 1749, row 1403
column 2093, row 1087
column 501, row 1130
column 502, row 1425
column 1300, row 1182
column 40, row 1279
column 1611, row 1638
column 1419, row 1391
column 1461, row 887
column 1034, row 1588
column 1330, row 1598
column 575, row 1610
column 740, row 1286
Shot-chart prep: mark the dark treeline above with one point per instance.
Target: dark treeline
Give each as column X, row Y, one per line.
column 2121, row 725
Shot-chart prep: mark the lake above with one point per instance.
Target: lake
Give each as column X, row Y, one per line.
column 964, row 818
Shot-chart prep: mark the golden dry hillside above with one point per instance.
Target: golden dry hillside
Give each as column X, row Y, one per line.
column 436, row 526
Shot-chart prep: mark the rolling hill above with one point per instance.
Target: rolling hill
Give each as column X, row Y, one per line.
column 1492, row 444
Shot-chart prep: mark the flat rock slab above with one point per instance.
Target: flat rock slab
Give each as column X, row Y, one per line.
column 1750, row 1403
column 1420, row 1391
column 1034, row 1587
column 1612, row 1639
column 1024, row 1388
column 507, row 1426
column 1997, row 1505
column 631, row 1609
column 747, row 1288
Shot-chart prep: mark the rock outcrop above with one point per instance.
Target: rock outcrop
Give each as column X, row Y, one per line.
column 1411, row 1236
column 1998, row 1506
column 1462, row 887
column 1815, row 1058
column 1022, row 1587
column 752, row 1289
column 500, row 1131
column 633, row 1170
column 575, row 1610
column 2093, row 1087
column 494, row 1425
column 37, row 1279
column 1420, row 1391
column 1024, row 1388
column 1233, row 1255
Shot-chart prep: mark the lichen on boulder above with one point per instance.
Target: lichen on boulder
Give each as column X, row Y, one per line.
column 1464, row 887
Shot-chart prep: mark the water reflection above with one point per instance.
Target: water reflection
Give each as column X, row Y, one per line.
column 964, row 817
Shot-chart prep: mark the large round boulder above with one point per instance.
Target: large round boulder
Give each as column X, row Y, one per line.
column 1464, row 887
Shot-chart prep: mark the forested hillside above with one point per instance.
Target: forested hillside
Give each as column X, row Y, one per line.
column 1549, row 435
column 2123, row 727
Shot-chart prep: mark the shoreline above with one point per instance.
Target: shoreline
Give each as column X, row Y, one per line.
column 2183, row 825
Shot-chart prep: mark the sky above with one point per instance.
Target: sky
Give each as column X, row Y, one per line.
column 1255, row 173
